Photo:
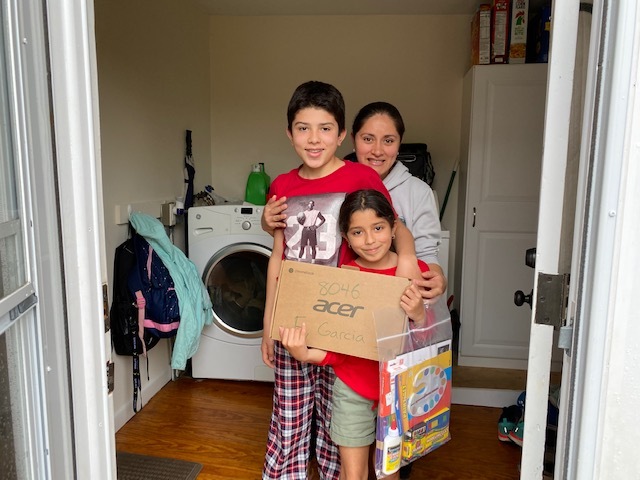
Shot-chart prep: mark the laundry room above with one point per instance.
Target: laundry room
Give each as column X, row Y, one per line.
column 165, row 67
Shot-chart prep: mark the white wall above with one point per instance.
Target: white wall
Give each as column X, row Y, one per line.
column 415, row 62
column 153, row 76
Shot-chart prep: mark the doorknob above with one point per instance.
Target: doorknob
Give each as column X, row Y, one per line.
column 519, row 298
column 530, row 257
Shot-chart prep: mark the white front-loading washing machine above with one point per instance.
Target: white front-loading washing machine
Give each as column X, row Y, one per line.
column 231, row 252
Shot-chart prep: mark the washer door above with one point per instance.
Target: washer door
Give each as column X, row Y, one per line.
column 236, row 279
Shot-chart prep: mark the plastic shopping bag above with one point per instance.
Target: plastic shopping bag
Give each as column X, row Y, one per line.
column 415, row 389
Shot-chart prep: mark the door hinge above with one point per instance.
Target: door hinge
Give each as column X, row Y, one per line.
column 111, row 372
column 552, row 299
column 565, row 339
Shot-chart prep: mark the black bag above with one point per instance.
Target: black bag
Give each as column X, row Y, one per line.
column 123, row 315
column 414, row 156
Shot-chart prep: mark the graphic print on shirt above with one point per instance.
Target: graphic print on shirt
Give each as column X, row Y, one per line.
column 312, row 234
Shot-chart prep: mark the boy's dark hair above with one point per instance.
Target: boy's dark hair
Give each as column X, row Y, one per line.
column 378, row 108
column 364, row 200
column 321, row 95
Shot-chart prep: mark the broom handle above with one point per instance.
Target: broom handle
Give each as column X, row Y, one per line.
column 446, row 195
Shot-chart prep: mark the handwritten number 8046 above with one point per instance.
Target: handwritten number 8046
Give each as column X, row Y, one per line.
column 333, row 288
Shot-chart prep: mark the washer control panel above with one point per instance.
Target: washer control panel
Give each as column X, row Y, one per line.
column 246, row 218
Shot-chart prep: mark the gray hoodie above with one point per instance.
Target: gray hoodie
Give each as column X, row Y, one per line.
column 415, row 204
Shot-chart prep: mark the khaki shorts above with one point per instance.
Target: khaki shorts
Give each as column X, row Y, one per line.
column 353, row 417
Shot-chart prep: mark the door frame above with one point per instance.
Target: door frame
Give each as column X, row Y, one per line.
column 74, row 90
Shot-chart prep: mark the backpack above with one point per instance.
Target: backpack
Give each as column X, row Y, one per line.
column 152, row 286
column 123, row 315
column 143, row 297
column 416, row 157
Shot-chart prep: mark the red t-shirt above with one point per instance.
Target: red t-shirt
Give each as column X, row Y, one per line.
column 361, row 374
column 327, row 194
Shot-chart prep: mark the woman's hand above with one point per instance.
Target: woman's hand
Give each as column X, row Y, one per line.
column 433, row 282
column 413, row 305
column 272, row 216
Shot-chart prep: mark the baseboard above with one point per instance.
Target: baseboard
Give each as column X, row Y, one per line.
column 484, row 397
column 149, row 389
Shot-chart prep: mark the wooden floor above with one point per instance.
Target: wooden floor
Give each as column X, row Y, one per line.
column 223, row 425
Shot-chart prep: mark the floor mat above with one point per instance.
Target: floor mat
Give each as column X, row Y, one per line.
column 144, row 467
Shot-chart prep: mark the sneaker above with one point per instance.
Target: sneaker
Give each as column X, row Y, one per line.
column 507, row 422
column 517, row 433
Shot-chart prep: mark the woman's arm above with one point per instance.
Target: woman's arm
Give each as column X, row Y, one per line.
column 273, row 270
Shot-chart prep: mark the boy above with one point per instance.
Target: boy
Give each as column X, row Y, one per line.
column 316, row 128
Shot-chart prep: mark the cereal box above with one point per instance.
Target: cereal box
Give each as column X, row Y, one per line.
column 519, row 24
column 481, row 36
column 499, row 31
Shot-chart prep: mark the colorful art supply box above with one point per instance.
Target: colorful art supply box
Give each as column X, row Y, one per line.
column 338, row 306
column 415, row 400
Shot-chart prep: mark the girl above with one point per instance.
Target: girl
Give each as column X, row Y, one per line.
column 367, row 222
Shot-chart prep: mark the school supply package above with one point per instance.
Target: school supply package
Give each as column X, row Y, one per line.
column 415, row 390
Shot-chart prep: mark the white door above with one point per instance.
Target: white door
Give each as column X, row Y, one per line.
column 55, row 414
column 599, row 194
column 36, row 430
column 499, row 174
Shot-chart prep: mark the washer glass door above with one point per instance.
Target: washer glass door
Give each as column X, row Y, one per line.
column 236, row 278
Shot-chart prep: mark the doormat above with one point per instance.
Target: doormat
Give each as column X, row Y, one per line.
column 143, row 467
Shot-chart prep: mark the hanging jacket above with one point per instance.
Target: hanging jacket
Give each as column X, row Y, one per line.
column 193, row 298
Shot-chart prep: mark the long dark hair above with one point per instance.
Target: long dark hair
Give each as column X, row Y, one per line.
column 378, row 108
column 365, row 200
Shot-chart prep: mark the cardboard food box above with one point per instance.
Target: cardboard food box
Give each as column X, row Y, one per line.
column 499, row 31
column 481, row 36
column 519, row 23
column 338, row 305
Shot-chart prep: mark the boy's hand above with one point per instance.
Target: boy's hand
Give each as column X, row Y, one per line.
column 272, row 216
column 413, row 305
column 295, row 340
column 432, row 284
column 268, row 356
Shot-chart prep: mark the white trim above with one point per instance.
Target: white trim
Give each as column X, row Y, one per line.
column 564, row 28
column 74, row 91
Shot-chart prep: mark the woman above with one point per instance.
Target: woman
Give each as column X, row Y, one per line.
column 377, row 133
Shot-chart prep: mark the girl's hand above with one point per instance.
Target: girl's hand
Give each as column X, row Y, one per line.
column 295, row 340
column 413, row 305
column 272, row 216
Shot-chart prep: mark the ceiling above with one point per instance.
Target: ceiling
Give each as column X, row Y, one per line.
column 339, row 7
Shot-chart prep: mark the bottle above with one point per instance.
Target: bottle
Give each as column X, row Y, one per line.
column 266, row 176
column 392, row 449
column 256, row 191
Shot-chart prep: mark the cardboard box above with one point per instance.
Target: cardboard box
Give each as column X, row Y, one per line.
column 499, row 31
column 338, row 307
column 519, row 24
column 481, row 36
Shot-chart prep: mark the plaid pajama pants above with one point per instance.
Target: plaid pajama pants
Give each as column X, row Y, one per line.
column 297, row 390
